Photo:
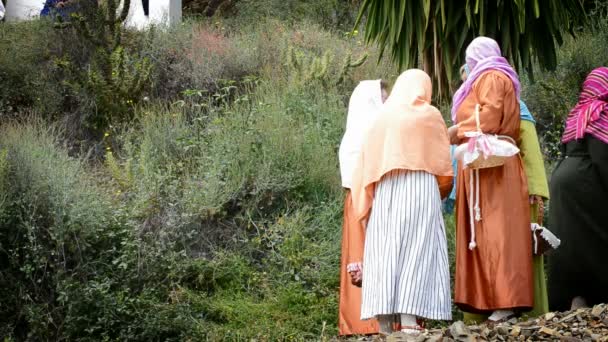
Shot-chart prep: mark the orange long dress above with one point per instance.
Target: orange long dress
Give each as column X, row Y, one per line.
column 353, row 240
column 497, row 274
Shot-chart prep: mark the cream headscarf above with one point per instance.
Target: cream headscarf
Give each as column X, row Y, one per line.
column 408, row 134
column 364, row 105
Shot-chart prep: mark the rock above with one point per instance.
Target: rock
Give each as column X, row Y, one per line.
column 548, row 331
column 568, row 318
column 598, row 310
column 527, row 323
column 569, row 339
column 435, row 338
column 590, row 324
column 420, row 338
column 502, row 330
column 459, row 329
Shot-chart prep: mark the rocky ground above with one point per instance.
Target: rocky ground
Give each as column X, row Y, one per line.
column 581, row 325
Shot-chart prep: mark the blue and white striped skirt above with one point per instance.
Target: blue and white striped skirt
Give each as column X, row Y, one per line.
column 405, row 265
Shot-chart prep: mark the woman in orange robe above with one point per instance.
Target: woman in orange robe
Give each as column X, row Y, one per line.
column 494, row 266
column 363, row 107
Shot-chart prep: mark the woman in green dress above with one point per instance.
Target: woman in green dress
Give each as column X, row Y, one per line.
column 579, row 186
column 538, row 189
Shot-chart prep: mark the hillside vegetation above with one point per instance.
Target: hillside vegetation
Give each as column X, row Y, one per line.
column 185, row 185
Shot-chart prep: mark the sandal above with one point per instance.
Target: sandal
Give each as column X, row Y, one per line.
column 507, row 317
column 411, row 330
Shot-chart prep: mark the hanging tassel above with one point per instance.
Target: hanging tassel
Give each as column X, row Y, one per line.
column 477, row 209
column 472, row 243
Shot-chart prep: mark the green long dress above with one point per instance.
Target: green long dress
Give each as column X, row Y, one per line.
column 537, row 186
column 578, row 216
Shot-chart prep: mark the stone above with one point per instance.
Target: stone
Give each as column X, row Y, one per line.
column 569, row 339
column 435, row 338
column 502, row 330
column 590, row 324
column 459, row 329
column 548, row 331
column 569, row 317
column 598, row 310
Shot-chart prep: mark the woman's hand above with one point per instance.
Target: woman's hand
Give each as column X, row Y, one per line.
column 356, row 278
column 453, row 135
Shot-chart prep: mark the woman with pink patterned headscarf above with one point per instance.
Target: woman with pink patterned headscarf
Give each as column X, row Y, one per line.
column 493, row 240
column 579, row 188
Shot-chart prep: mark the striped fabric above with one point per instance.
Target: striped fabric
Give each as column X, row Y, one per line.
column 405, row 265
column 590, row 115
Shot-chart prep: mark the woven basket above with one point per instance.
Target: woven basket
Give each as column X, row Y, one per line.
column 483, row 163
column 491, row 161
column 543, row 240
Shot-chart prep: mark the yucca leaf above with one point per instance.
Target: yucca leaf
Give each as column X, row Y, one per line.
column 437, row 30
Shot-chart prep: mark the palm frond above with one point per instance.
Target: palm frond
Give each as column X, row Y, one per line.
column 434, row 32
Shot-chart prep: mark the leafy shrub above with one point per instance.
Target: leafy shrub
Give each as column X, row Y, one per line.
column 217, row 211
column 25, row 75
column 51, row 227
column 553, row 94
column 329, row 14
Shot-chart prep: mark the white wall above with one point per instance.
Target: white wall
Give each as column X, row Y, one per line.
column 162, row 12
column 137, row 19
column 23, row 9
column 168, row 12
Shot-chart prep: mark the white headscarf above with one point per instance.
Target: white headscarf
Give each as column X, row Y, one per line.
column 2, row 10
column 364, row 105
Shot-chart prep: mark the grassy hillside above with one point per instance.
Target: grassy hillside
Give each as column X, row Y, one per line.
column 209, row 206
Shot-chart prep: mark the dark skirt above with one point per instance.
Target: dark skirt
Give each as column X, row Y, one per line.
column 578, row 215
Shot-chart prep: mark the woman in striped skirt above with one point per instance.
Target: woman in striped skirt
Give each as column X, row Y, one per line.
column 404, row 171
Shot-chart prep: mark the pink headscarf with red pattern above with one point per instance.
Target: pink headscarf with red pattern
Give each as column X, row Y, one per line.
column 590, row 115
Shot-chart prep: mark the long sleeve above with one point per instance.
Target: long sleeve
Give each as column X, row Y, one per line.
column 499, row 109
column 356, row 242
column 445, row 185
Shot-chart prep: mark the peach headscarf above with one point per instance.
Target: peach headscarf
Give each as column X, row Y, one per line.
column 408, row 134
